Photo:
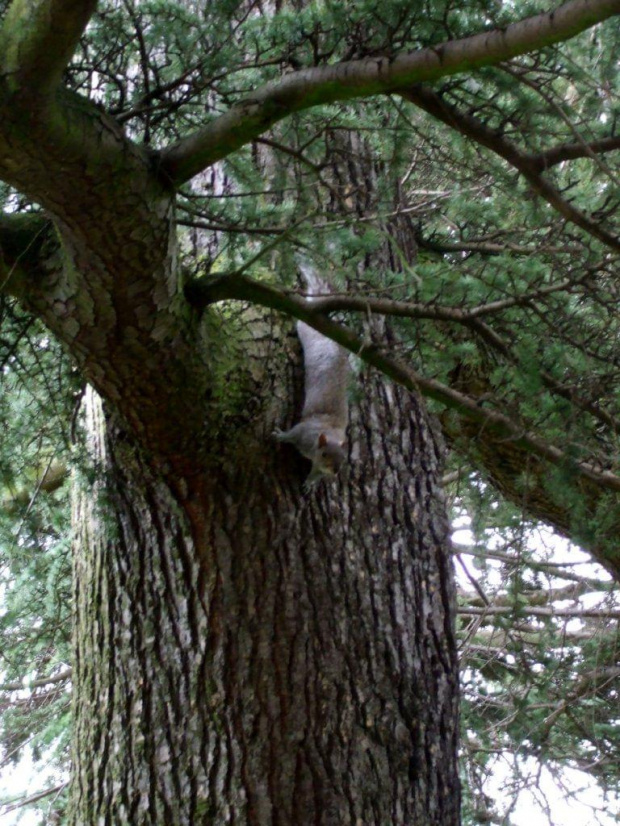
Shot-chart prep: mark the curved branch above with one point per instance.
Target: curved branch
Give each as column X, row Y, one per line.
column 408, row 309
column 360, row 78
column 478, row 131
column 38, row 39
column 470, row 319
column 201, row 293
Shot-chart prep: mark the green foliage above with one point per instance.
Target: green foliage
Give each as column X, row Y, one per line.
column 36, row 399
column 453, row 226
column 537, row 686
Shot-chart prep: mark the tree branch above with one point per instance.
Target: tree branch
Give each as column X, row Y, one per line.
column 25, row 801
column 588, row 683
column 22, row 686
column 38, row 39
column 406, row 309
column 488, row 247
column 478, row 131
column 574, row 613
column 49, row 479
column 301, row 90
column 571, row 151
column 203, row 292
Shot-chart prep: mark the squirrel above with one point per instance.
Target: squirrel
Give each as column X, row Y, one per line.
column 320, row 435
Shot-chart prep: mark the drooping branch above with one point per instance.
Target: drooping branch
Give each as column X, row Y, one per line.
column 38, row 39
column 325, row 305
column 203, row 292
column 301, row 90
column 470, row 319
column 531, row 169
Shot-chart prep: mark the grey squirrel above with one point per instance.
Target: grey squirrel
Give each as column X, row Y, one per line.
column 320, row 435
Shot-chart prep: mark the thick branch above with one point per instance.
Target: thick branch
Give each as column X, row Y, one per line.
column 360, row 78
column 38, row 39
column 236, row 286
column 530, row 168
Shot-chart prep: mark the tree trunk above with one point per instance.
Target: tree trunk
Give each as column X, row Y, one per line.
column 273, row 657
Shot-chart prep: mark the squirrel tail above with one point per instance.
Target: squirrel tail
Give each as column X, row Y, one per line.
column 326, row 363
column 314, row 283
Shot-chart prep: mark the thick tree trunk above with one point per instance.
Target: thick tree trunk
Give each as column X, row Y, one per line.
column 292, row 663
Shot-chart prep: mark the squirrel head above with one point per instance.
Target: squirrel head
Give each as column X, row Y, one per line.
column 329, row 455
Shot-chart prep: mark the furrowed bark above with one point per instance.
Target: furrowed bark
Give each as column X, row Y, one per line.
column 104, row 279
column 300, row 668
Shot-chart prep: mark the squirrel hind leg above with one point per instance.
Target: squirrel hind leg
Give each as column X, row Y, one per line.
column 280, row 435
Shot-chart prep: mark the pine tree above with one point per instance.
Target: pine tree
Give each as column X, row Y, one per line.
column 243, row 651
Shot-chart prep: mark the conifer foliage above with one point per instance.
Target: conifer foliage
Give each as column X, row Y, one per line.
column 453, row 169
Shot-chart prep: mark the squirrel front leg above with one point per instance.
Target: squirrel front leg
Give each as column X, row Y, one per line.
column 294, row 436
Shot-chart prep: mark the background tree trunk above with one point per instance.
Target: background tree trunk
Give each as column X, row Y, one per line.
column 294, row 663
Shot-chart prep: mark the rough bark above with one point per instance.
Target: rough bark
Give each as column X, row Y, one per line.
column 242, row 654
column 299, row 667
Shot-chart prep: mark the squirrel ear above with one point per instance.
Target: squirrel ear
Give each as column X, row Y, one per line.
column 343, row 443
column 322, row 440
